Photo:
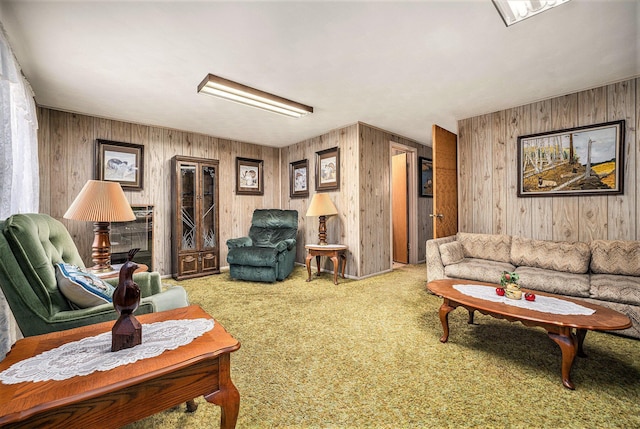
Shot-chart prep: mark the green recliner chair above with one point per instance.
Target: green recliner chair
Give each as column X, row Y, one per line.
column 30, row 246
column 269, row 252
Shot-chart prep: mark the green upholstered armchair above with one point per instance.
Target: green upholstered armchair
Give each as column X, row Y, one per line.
column 269, row 252
column 30, row 245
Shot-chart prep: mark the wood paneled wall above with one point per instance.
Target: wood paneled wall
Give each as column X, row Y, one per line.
column 375, row 199
column 487, row 147
column 66, row 151
column 363, row 201
column 66, row 156
column 342, row 228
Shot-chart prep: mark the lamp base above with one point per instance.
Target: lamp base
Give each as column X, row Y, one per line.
column 101, row 248
column 100, row 269
column 322, row 231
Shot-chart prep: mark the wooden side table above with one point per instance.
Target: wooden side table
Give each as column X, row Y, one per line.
column 334, row 251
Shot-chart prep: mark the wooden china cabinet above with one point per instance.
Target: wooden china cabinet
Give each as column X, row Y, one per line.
column 194, row 214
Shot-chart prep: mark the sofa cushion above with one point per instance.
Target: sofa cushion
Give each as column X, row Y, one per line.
column 622, row 289
column 481, row 270
column 451, row 253
column 615, row 257
column 494, row 247
column 558, row 282
column 570, row 257
column 270, row 226
column 81, row 288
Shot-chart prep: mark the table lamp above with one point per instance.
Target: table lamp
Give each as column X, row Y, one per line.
column 322, row 206
column 102, row 203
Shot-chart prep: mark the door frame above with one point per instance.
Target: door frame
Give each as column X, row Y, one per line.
column 412, row 191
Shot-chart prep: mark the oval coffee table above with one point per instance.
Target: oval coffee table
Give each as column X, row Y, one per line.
column 559, row 327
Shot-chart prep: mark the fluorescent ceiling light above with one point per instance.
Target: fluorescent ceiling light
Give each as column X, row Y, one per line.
column 233, row 91
column 513, row 11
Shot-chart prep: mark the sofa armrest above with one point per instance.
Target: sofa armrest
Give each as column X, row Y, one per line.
column 435, row 267
column 173, row 297
column 239, row 242
column 286, row 244
column 149, row 283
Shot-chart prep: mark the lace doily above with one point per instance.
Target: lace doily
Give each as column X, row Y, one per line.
column 94, row 353
column 544, row 304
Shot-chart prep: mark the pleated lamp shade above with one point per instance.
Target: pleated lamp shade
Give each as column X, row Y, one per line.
column 100, row 201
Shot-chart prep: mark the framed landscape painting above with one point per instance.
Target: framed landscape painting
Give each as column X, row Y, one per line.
column 586, row 160
column 120, row 162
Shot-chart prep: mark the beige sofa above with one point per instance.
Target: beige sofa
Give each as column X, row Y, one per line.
column 605, row 272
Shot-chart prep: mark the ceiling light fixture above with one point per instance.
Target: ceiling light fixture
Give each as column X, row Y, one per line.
column 513, row 11
column 233, row 91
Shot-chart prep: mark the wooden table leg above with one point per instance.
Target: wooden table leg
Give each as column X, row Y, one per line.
column 343, row 259
column 307, row 262
column 318, row 266
column 227, row 397
column 568, row 344
column 471, row 313
column 336, row 267
column 445, row 309
column 580, row 334
column 191, row 406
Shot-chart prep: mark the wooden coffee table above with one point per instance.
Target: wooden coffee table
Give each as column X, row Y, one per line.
column 560, row 328
column 127, row 393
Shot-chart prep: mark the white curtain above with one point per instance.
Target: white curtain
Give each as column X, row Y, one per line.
column 19, row 180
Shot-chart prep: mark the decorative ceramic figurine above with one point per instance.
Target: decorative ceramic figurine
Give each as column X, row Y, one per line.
column 127, row 331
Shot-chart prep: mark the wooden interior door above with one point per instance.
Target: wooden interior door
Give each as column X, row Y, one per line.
column 445, row 183
column 400, row 211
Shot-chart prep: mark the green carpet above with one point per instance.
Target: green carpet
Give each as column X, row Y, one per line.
column 366, row 354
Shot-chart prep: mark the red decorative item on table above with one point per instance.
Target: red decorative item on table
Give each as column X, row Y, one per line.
column 500, row 291
column 529, row 296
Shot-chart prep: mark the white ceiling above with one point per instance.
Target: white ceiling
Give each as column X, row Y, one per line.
column 399, row 66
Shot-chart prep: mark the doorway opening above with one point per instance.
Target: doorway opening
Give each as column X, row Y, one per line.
column 403, row 195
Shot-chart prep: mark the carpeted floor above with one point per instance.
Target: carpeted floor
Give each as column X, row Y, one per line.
column 365, row 354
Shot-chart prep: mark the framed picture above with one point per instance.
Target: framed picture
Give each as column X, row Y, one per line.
column 249, row 176
column 120, row 162
column 425, row 177
column 585, row 160
column 328, row 169
column 299, row 179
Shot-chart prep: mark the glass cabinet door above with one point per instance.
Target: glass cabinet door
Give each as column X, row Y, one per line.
column 208, row 208
column 195, row 250
column 188, row 217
